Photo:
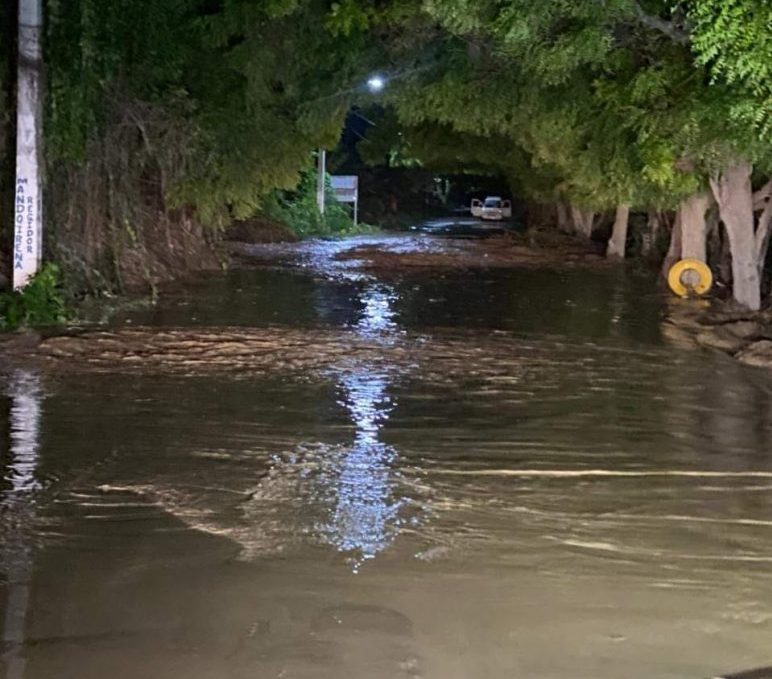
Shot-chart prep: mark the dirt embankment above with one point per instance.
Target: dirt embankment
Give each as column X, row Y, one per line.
column 260, row 230
column 135, row 260
column 181, row 247
column 171, row 253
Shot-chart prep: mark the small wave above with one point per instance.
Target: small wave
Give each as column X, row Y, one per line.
column 603, row 473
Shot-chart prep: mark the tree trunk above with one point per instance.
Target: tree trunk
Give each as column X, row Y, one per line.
column 564, row 218
column 27, row 247
column 674, row 249
column 694, row 227
column 734, row 195
column 651, row 237
column 583, row 221
column 618, row 241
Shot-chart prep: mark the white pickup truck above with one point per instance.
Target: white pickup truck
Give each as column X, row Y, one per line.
column 493, row 208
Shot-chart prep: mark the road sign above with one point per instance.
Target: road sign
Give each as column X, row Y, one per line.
column 346, row 190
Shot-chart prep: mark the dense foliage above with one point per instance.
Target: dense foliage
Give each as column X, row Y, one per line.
column 604, row 107
column 161, row 113
column 229, row 98
column 733, row 39
column 606, row 96
column 298, row 209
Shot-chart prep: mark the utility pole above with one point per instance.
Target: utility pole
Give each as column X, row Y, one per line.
column 321, row 177
column 28, row 200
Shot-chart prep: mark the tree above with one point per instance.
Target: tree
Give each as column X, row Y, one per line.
column 732, row 38
column 608, row 99
column 164, row 115
column 553, row 80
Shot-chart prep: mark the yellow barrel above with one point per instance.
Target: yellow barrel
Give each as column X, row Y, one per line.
column 679, row 276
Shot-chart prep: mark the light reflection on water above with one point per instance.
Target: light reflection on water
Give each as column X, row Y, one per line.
column 365, row 518
column 347, row 495
column 17, row 509
column 378, row 314
column 25, row 393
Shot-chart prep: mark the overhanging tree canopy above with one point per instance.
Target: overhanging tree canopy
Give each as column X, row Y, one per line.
column 208, row 106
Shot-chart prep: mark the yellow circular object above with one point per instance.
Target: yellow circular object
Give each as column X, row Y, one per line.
column 679, row 272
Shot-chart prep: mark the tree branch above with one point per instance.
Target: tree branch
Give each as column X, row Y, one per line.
column 762, row 200
column 762, row 196
column 668, row 28
column 762, row 236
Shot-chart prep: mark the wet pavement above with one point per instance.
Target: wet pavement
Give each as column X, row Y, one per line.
column 505, row 473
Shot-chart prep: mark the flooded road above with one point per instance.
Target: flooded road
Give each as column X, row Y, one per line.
column 504, row 473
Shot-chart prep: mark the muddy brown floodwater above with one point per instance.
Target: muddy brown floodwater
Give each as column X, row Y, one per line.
column 305, row 468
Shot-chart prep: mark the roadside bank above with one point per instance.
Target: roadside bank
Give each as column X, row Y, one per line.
column 723, row 327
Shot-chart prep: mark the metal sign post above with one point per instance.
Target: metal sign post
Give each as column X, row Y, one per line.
column 28, row 198
column 346, row 190
column 321, row 175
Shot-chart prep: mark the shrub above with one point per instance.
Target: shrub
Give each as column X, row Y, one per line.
column 299, row 211
column 40, row 303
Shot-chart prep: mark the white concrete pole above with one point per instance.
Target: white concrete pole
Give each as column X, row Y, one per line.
column 28, row 219
column 320, row 179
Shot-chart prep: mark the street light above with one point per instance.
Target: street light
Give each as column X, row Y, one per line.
column 375, row 84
